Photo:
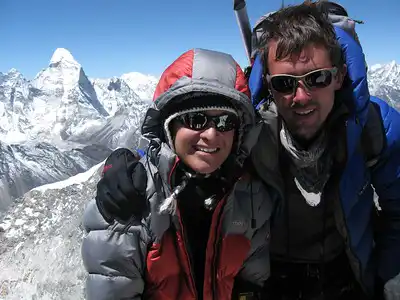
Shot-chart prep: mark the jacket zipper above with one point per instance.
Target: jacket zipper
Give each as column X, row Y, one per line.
column 214, row 272
column 188, row 258
column 184, row 238
column 215, row 253
column 217, row 244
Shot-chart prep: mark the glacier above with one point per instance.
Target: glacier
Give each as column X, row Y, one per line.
column 40, row 240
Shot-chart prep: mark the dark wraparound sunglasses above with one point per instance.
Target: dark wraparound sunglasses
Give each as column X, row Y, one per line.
column 285, row 83
column 200, row 121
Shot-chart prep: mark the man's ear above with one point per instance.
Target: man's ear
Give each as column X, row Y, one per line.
column 340, row 76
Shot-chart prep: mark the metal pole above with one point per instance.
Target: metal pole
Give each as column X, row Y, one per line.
column 242, row 19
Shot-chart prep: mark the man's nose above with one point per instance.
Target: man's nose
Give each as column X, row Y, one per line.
column 301, row 94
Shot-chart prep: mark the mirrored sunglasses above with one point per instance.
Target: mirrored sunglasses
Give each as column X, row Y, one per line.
column 200, row 121
column 285, row 83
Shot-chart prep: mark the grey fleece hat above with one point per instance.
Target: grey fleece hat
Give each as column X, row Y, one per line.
column 194, row 102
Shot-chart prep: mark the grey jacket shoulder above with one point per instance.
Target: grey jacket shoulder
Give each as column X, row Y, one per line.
column 114, row 257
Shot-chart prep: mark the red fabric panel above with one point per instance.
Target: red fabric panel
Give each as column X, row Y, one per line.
column 241, row 82
column 233, row 252
column 165, row 277
column 182, row 66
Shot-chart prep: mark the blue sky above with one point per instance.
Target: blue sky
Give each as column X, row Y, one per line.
column 110, row 38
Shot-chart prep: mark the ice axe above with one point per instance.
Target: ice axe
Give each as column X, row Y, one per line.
column 242, row 18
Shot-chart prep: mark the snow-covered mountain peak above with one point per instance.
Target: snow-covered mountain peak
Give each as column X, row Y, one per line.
column 138, row 77
column 384, row 74
column 384, row 82
column 143, row 85
column 393, row 63
column 115, row 94
column 375, row 67
column 13, row 78
column 13, row 73
column 63, row 74
column 62, row 55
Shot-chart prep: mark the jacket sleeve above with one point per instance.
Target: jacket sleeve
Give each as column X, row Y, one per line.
column 113, row 256
column 386, row 181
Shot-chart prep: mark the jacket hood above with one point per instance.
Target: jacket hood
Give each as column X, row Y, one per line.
column 205, row 71
column 202, row 71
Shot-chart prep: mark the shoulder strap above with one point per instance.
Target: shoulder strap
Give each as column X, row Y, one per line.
column 373, row 137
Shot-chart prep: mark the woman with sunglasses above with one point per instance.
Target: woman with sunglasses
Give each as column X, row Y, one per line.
column 205, row 230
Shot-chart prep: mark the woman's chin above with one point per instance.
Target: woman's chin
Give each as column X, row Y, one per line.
column 203, row 168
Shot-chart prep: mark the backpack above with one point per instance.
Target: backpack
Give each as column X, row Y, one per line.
column 373, row 137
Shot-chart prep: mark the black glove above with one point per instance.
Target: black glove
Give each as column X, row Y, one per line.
column 121, row 192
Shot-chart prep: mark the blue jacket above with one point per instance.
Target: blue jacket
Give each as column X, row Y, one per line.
column 356, row 183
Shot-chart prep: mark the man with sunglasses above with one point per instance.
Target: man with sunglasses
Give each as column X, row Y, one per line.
column 328, row 241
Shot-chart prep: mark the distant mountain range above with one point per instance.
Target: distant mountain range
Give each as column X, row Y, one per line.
column 384, row 82
column 62, row 122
